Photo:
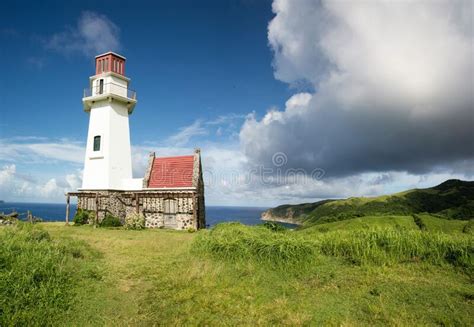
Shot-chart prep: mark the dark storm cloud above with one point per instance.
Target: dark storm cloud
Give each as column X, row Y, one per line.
column 398, row 95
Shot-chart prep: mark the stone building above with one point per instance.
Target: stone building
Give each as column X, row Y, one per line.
column 170, row 195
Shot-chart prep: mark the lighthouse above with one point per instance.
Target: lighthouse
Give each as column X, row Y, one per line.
column 171, row 192
column 109, row 101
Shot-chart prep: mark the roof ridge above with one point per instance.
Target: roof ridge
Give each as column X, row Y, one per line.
column 183, row 156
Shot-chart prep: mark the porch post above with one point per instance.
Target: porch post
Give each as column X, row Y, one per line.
column 96, row 209
column 195, row 213
column 137, row 203
column 67, row 209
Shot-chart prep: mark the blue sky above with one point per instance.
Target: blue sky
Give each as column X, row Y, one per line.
column 186, row 62
column 342, row 88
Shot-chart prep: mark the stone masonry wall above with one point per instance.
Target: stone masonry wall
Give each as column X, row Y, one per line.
column 121, row 204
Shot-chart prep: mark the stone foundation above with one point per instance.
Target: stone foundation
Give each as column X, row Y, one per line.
column 185, row 213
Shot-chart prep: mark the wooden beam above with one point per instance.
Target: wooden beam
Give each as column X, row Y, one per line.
column 67, row 209
column 86, row 194
column 96, row 209
column 137, row 203
column 195, row 216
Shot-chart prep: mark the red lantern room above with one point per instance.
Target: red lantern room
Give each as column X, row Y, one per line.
column 110, row 62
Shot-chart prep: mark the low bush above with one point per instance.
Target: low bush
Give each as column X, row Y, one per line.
column 110, row 221
column 37, row 276
column 135, row 221
column 273, row 226
column 419, row 222
column 469, row 227
column 81, row 217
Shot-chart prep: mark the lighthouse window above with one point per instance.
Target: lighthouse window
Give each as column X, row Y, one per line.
column 101, row 86
column 97, row 143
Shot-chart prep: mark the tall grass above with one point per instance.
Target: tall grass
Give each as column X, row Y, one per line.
column 388, row 246
column 233, row 241
column 37, row 276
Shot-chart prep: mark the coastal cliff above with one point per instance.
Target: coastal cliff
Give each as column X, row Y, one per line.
column 268, row 215
column 291, row 214
column 453, row 199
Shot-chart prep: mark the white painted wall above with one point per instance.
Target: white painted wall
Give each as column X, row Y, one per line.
column 107, row 168
column 133, row 184
column 111, row 167
column 112, row 84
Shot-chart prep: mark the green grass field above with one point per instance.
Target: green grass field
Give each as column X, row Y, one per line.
column 238, row 275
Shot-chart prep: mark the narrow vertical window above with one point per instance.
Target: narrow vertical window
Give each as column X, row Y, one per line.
column 106, row 64
column 97, row 143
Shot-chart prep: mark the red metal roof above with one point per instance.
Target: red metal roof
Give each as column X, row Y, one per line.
column 172, row 172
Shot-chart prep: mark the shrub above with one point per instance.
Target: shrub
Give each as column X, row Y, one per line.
column 110, row 221
column 273, row 226
column 91, row 217
column 469, row 227
column 135, row 221
column 419, row 222
column 81, row 217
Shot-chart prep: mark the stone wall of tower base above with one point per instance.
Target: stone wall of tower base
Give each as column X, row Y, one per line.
column 151, row 205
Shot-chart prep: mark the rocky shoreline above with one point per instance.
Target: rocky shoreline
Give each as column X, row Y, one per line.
column 268, row 216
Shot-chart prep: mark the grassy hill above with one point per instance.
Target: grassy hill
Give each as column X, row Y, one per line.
column 400, row 260
column 424, row 222
column 453, row 199
column 55, row 275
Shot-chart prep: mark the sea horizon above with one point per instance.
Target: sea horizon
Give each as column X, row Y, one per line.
column 248, row 215
column 60, row 203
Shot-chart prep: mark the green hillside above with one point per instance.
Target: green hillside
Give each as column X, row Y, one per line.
column 423, row 222
column 408, row 269
column 453, row 199
column 333, row 274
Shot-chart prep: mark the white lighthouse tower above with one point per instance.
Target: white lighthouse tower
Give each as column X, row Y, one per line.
column 109, row 102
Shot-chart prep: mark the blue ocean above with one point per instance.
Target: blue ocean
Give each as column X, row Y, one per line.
column 57, row 212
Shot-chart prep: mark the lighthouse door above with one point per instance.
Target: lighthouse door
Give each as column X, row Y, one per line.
column 169, row 213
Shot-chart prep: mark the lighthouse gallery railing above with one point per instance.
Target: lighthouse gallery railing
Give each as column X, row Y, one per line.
column 110, row 88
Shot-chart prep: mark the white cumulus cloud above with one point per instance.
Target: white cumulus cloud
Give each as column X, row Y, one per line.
column 93, row 34
column 393, row 87
column 15, row 186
